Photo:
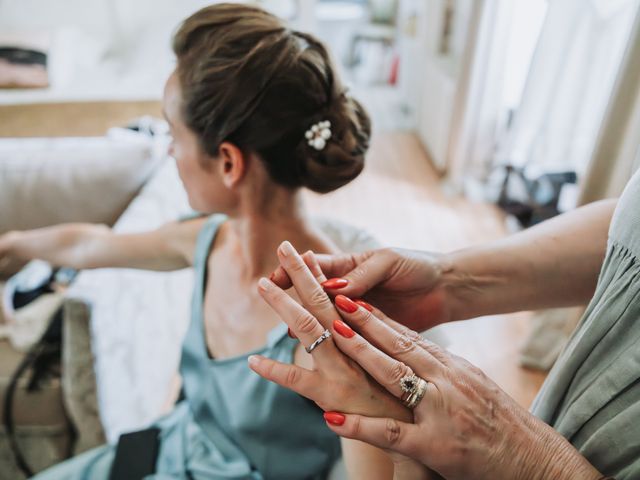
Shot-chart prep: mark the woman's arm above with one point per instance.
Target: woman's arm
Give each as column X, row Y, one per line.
column 366, row 461
column 553, row 264
column 85, row 246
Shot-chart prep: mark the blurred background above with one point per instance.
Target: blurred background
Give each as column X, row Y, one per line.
column 489, row 116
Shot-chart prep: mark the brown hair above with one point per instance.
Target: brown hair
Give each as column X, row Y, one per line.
column 247, row 79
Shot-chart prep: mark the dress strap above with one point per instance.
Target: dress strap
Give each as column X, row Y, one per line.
column 205, row 238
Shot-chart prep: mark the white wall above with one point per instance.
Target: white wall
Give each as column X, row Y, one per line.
column 429, row 81
column 106, row 49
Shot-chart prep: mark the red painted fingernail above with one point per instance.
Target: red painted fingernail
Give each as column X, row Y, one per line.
column 334, row 418
column 363, row 304
column 335, row 283
column 346, row 304
column 291, row 334
column 343, row 329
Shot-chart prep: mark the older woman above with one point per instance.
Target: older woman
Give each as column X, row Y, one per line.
column 584, row 422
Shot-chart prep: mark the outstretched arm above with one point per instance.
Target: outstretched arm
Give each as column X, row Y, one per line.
column 85, row 246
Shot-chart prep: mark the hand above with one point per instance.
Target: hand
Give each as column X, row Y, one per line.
column 406, row 284
column 465, row 426
column 8, row 260
column 351, row 389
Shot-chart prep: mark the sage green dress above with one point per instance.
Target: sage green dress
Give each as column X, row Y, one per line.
column 592, row 395
column 232, row 423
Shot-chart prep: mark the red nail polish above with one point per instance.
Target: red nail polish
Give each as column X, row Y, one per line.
column 335, row 283
column 343, row 329
column 334, row 418
column 291, row 334
column 346, row 304
column 363, row 304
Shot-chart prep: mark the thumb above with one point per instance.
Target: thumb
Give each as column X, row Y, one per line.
column 385, row 433
column 356, row 275
column 331, row 265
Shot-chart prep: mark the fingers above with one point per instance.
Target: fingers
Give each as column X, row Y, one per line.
column 369, row 269
column 293, row 377
column 385, row 370
column 281, row 278
column 302, row 323
column 312, row 262
column 399, row 343
column 385, row 433
column 311, row 294
column 332, row 265
column 340, row 265
column 398, row 327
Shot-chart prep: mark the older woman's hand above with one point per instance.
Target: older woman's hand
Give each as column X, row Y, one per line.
column 464, row 427
column 407, row 284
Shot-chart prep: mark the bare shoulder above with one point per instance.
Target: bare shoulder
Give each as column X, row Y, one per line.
column 182, row 236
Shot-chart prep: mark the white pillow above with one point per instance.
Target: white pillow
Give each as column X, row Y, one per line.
column 44, row 181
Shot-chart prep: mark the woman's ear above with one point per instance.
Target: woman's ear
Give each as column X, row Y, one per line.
column 233, row 164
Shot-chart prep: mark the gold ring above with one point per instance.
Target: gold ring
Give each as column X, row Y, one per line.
column 414, row 389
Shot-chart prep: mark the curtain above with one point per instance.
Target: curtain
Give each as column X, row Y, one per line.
column 477, row 107
column 569, row 84
column 617, row 153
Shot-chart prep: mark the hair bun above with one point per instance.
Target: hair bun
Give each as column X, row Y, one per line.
column 342, row 158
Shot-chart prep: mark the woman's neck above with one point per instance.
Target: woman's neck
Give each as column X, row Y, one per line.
column 262, row 223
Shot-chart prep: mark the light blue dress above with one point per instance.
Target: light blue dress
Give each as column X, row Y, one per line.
column 232, row 424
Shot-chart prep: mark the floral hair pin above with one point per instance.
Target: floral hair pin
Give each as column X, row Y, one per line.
column 318, row 135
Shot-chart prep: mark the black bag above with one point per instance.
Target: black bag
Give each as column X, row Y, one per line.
column 136, row 455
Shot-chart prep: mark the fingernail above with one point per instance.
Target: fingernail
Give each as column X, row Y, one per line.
column 291, row 334
column 264, row 284
column 254, row 360
column 334, row 418
column 364, row 304
column 343, row 329
column 346, row 304
column 286, row 249
column 335, row 283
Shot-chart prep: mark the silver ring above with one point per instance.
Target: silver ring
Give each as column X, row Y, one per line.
column 326, row 334
column 415, row 388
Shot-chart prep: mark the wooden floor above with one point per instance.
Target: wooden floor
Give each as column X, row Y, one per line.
column 398, row 198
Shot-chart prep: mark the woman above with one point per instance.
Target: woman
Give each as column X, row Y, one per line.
column 256, row 112
column 584, row 422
